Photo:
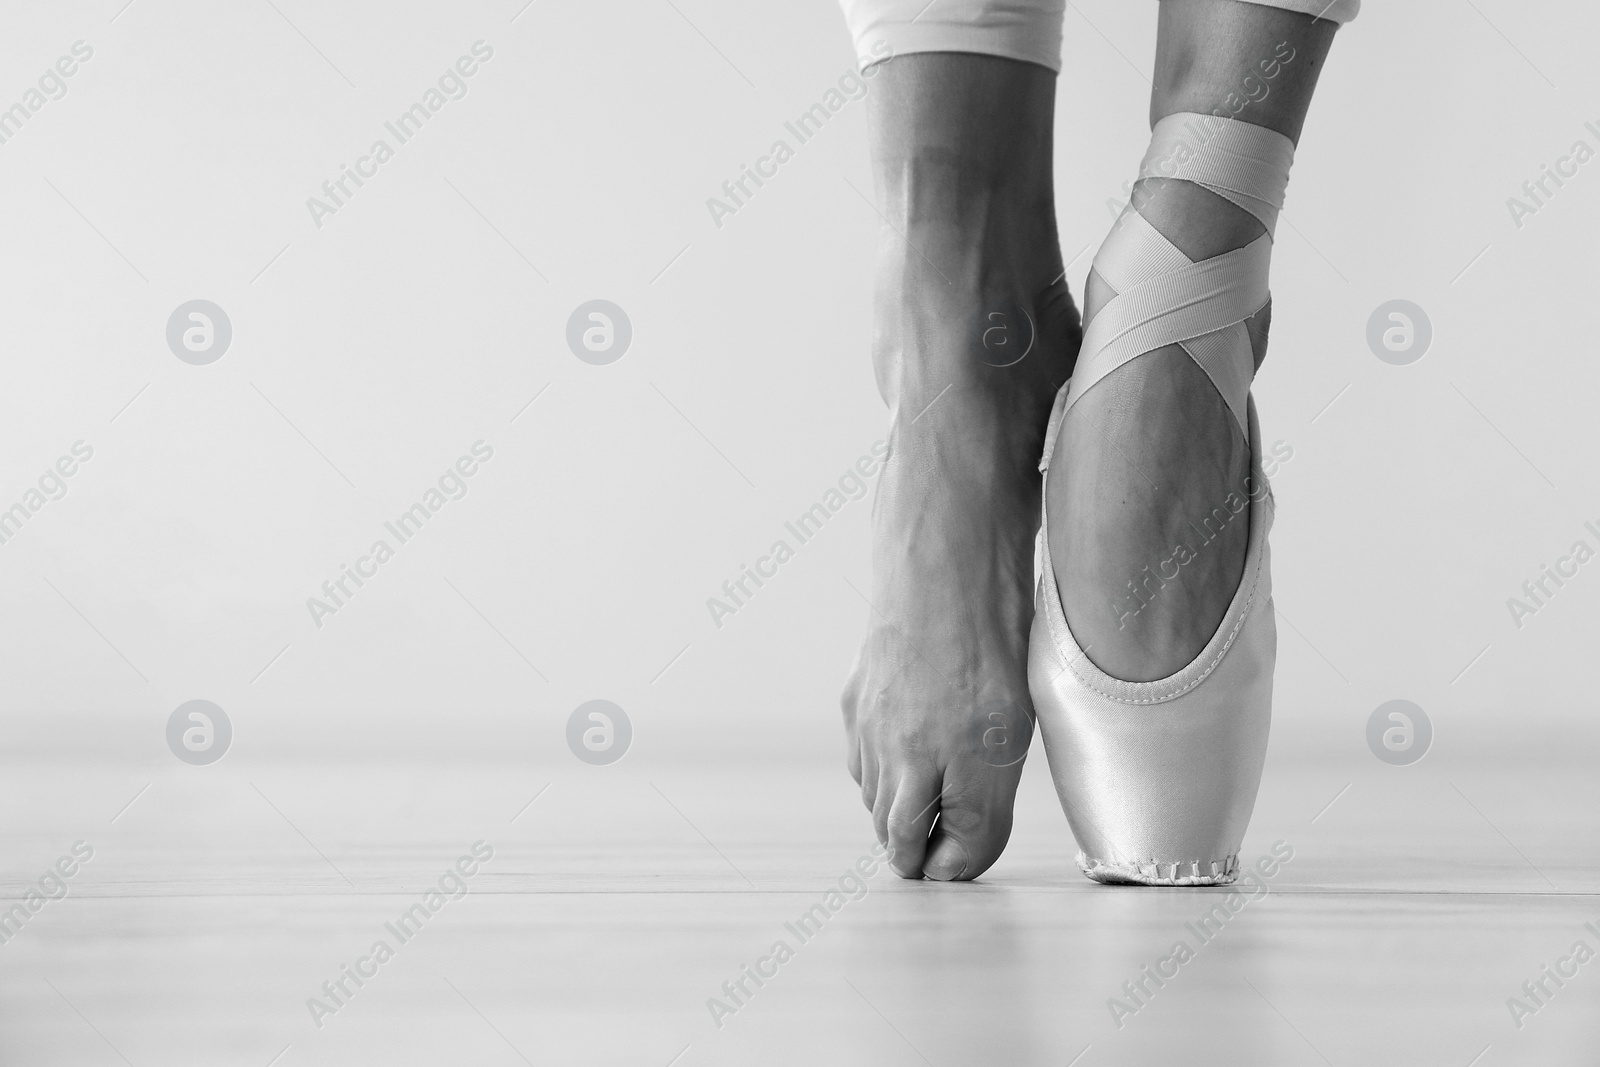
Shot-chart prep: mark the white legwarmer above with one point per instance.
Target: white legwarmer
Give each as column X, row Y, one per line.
column 1028, row 30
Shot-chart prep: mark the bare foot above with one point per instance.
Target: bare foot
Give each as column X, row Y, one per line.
column 937, row 710
column 974, row 332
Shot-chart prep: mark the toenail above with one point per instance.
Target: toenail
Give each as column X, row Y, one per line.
column 950, row 864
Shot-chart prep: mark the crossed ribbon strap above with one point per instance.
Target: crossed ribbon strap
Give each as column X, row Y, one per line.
column 1163, row 297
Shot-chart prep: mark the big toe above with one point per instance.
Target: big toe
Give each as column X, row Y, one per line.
column 909, row 819
column 974, row 825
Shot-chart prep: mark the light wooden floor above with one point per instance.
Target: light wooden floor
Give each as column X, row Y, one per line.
column 623, row 898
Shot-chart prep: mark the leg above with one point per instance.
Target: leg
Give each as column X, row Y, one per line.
column 1145, row 457
column 1153, row 650
column 936, row 710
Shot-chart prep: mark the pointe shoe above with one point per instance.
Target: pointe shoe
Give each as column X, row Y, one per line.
column 1158, row 779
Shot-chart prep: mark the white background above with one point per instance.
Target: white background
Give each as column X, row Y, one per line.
column 415, row 322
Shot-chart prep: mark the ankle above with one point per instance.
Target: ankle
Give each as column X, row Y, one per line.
column 989, row 246
column 1199, row 222
column 1002, row 338
column 1201, row 225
